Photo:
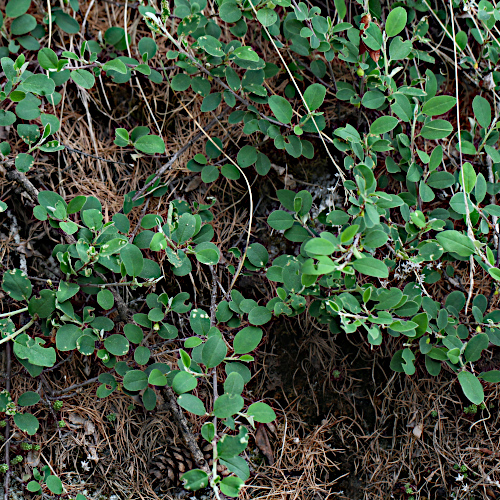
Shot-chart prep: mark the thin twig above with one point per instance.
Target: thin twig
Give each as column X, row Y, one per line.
column 73, row 387
column 88, row 155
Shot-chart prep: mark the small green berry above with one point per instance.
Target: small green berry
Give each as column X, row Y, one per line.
column 57, row 405
column 360, row 72
column 61, row 423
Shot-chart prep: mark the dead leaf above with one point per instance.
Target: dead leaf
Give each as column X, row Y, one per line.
column 262, row 442
column 193, row 184
column 374, row 54
column 418, row 429
column 32, row 458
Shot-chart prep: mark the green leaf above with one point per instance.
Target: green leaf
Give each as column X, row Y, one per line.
column 267, row 17
column 150, row 144
column 192, row 404
column 281, row 108
column 17, row 284
column 231, row 486
column 142, row 355
column 23, row 162
column 396, row 21
column 372, row 37
column 43, row 306
column 238, row 466
column 259, row 316
column 105, row 299
column 482, row 111
column 247, row 156
column 7, row 118
column 22, row 24
column 27, row 422
column 47, row 58
column 247, row 339
column 492, row 376
column 54, row 484
column 211, row 45
column 194, row 480
column 16, row 8
column 231, row 446
column 184, row 382
column 227, row 405
column 135, row 380
column 469, row 177
column 39, row 85
column 214, row 351
column 261, row 412
column 92, row 218
column 211, row 102
column 319, row 246
column 436, row 129
column 234, row 384
column 399, row 50
column 383, row 125
column 246, row 53
column 207, row 253
column 180, row 82
column 147, row 46
column 371, row 267
column 471, row 386
column 199, row 321
column 117, row 345
column 314, row 96
column 257, row 255
column 67, row 23
column 83, row 78
column 280, row 220
column 230, row 12
column 438, row 105
column 29, row 398
column 453, row 241
column 33, row 486
column 156, row 377
column 132, row 259
column 373, row 99
column 475, row 347
column 66, row 337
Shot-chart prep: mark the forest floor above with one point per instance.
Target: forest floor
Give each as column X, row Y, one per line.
column 348, row 427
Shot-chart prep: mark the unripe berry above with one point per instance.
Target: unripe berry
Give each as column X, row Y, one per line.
column 360, row 72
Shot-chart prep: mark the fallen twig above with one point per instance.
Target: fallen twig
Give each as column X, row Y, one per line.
column 185, row 431
column 24, row 182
